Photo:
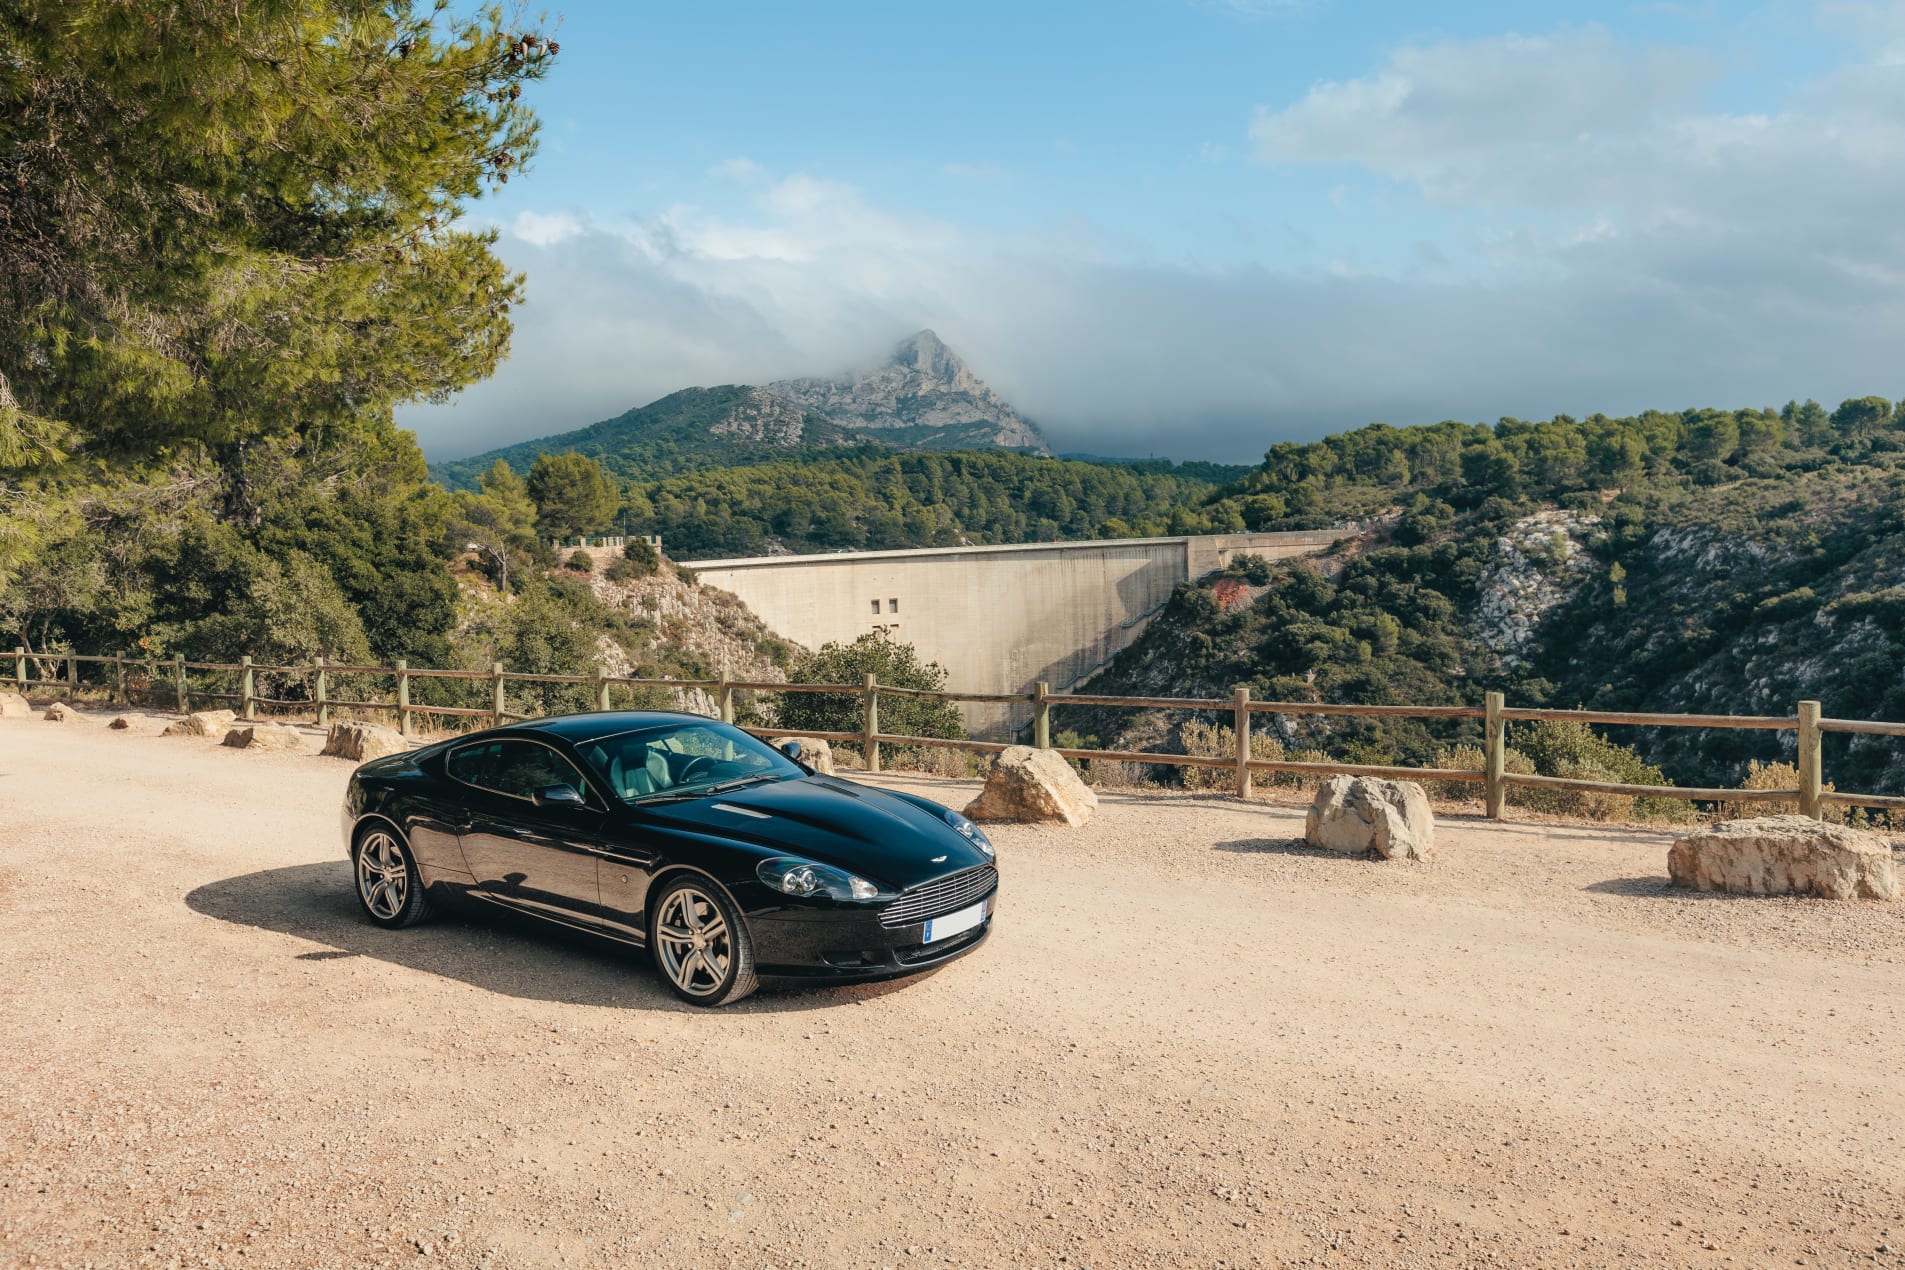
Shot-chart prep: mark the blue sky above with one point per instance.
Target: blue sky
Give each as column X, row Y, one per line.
column 1197, row 227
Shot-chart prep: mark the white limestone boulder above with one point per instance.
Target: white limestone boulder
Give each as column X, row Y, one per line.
column 61, row 712
column 1785, row 855
column 15, row 706
column 1360, row 815
column 202, row 723
column 361, row 742
column 815, row 753
column 1033, row 786
column 264, row 736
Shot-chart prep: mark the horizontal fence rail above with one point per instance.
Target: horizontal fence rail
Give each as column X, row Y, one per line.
column 169, row 678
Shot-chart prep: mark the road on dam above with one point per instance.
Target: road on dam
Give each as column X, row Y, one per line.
column 1190, row 1042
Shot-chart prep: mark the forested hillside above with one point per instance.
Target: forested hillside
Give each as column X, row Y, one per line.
column 874, row 502
column 1714, row 561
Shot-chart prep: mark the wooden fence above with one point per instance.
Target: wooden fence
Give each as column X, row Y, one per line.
column 1812, row 795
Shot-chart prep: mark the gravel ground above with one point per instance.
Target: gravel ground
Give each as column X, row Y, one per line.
column 1190, row 1041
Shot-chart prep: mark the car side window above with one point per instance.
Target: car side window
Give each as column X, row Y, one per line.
column 515, row 768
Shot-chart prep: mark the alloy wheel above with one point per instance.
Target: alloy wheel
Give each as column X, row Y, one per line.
column 383, row 876
column 693, row 939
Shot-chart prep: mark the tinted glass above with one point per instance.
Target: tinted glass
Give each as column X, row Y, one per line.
column 684, row 758
column 516, row 768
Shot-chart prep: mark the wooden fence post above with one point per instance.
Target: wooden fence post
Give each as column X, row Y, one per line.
column 725, row 698
column 321, row 689
column 601, row 691
column 72, row 675
column 19, row 669
column 119, row 679
column 1495, row 760
column 403, row 696
column 1041, row 715
column 247, row 687
column 1811, row 762
column 496, row 694
column 872, row 723
column 178, row 683
column 1241, row 696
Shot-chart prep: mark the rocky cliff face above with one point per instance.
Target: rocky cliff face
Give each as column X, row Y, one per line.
column 759, row 415
column 923, row 392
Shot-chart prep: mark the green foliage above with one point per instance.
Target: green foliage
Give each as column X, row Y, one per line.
column 223, row 227
column 497, row 520
column 641, row 554
column 573, row 495
column 875, row 502
column 581, row 561
column 894, row 664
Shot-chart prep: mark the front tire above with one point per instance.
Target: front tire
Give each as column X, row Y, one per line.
column 700, row 943
column 387, row 882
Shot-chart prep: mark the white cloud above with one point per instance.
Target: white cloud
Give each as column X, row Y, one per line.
column 740, row 168
column 545, row 229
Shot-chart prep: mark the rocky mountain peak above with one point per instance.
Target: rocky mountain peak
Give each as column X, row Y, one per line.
column 926, row 392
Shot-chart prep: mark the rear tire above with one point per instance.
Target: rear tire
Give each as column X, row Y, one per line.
column 388, row 885
column 700, row 944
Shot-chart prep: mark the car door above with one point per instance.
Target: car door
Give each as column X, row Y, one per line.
column 541, row 859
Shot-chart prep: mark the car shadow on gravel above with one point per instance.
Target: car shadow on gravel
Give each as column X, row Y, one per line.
column 490, row 949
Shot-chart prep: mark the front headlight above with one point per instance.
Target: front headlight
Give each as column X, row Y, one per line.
column 970, row 832
column 793, row 876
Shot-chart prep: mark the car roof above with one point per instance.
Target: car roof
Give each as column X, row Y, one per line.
column 580, row 729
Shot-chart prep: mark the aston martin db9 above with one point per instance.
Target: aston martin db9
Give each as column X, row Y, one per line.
column 729, row 860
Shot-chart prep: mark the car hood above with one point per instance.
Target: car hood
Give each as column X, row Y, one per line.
column 883, row 837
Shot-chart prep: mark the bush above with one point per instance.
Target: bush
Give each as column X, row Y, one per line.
column 1471, row 758
column 621, row 570
column 895, row 665
column 1213, row 740
column 1577, row 752
column 581, row 561
column 641, row 557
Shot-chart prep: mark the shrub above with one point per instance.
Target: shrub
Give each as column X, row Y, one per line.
column 640, row 556
column 1206, row 739
column 894, row 664
column 1471, row 758
column 621, row 570
column 581, row 561
column 1577, row 752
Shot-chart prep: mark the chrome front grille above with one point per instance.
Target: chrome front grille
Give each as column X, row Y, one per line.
column 941, row 896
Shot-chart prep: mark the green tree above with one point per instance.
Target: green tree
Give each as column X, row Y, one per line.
column 223, row 223
column 498, row 521
column 1860, row 417
column 894, row 664
column 573, row 495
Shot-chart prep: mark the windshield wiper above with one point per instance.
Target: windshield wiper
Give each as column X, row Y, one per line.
column 755, row 779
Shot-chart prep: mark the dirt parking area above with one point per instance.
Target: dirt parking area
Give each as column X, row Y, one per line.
column 1190, row 1042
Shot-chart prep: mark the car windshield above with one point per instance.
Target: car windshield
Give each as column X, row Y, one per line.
column 684, row 760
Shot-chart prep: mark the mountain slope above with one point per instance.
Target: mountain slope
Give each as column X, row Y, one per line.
column 1702, row 562
column 923, row 398
column 686, row 430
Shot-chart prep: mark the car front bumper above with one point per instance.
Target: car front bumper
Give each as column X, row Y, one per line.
column 832, row 946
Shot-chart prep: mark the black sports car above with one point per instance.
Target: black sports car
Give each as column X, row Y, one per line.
column 728, row 859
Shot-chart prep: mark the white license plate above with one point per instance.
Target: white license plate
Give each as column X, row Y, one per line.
column 955, row 923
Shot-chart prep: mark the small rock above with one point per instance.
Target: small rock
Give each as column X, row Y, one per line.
column 1785, row 855
column 1033, row 785
column 60, row 712
column 202, row 723
column 1360, row 814
column 121, row 724
column 361, row 742
column 264, row 736
column 15, row 706
column 815, row 753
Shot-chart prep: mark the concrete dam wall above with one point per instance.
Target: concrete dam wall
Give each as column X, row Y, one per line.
column 999, row 619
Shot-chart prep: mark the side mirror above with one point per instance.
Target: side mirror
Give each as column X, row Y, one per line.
column 560, row 796
column 789, row 747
